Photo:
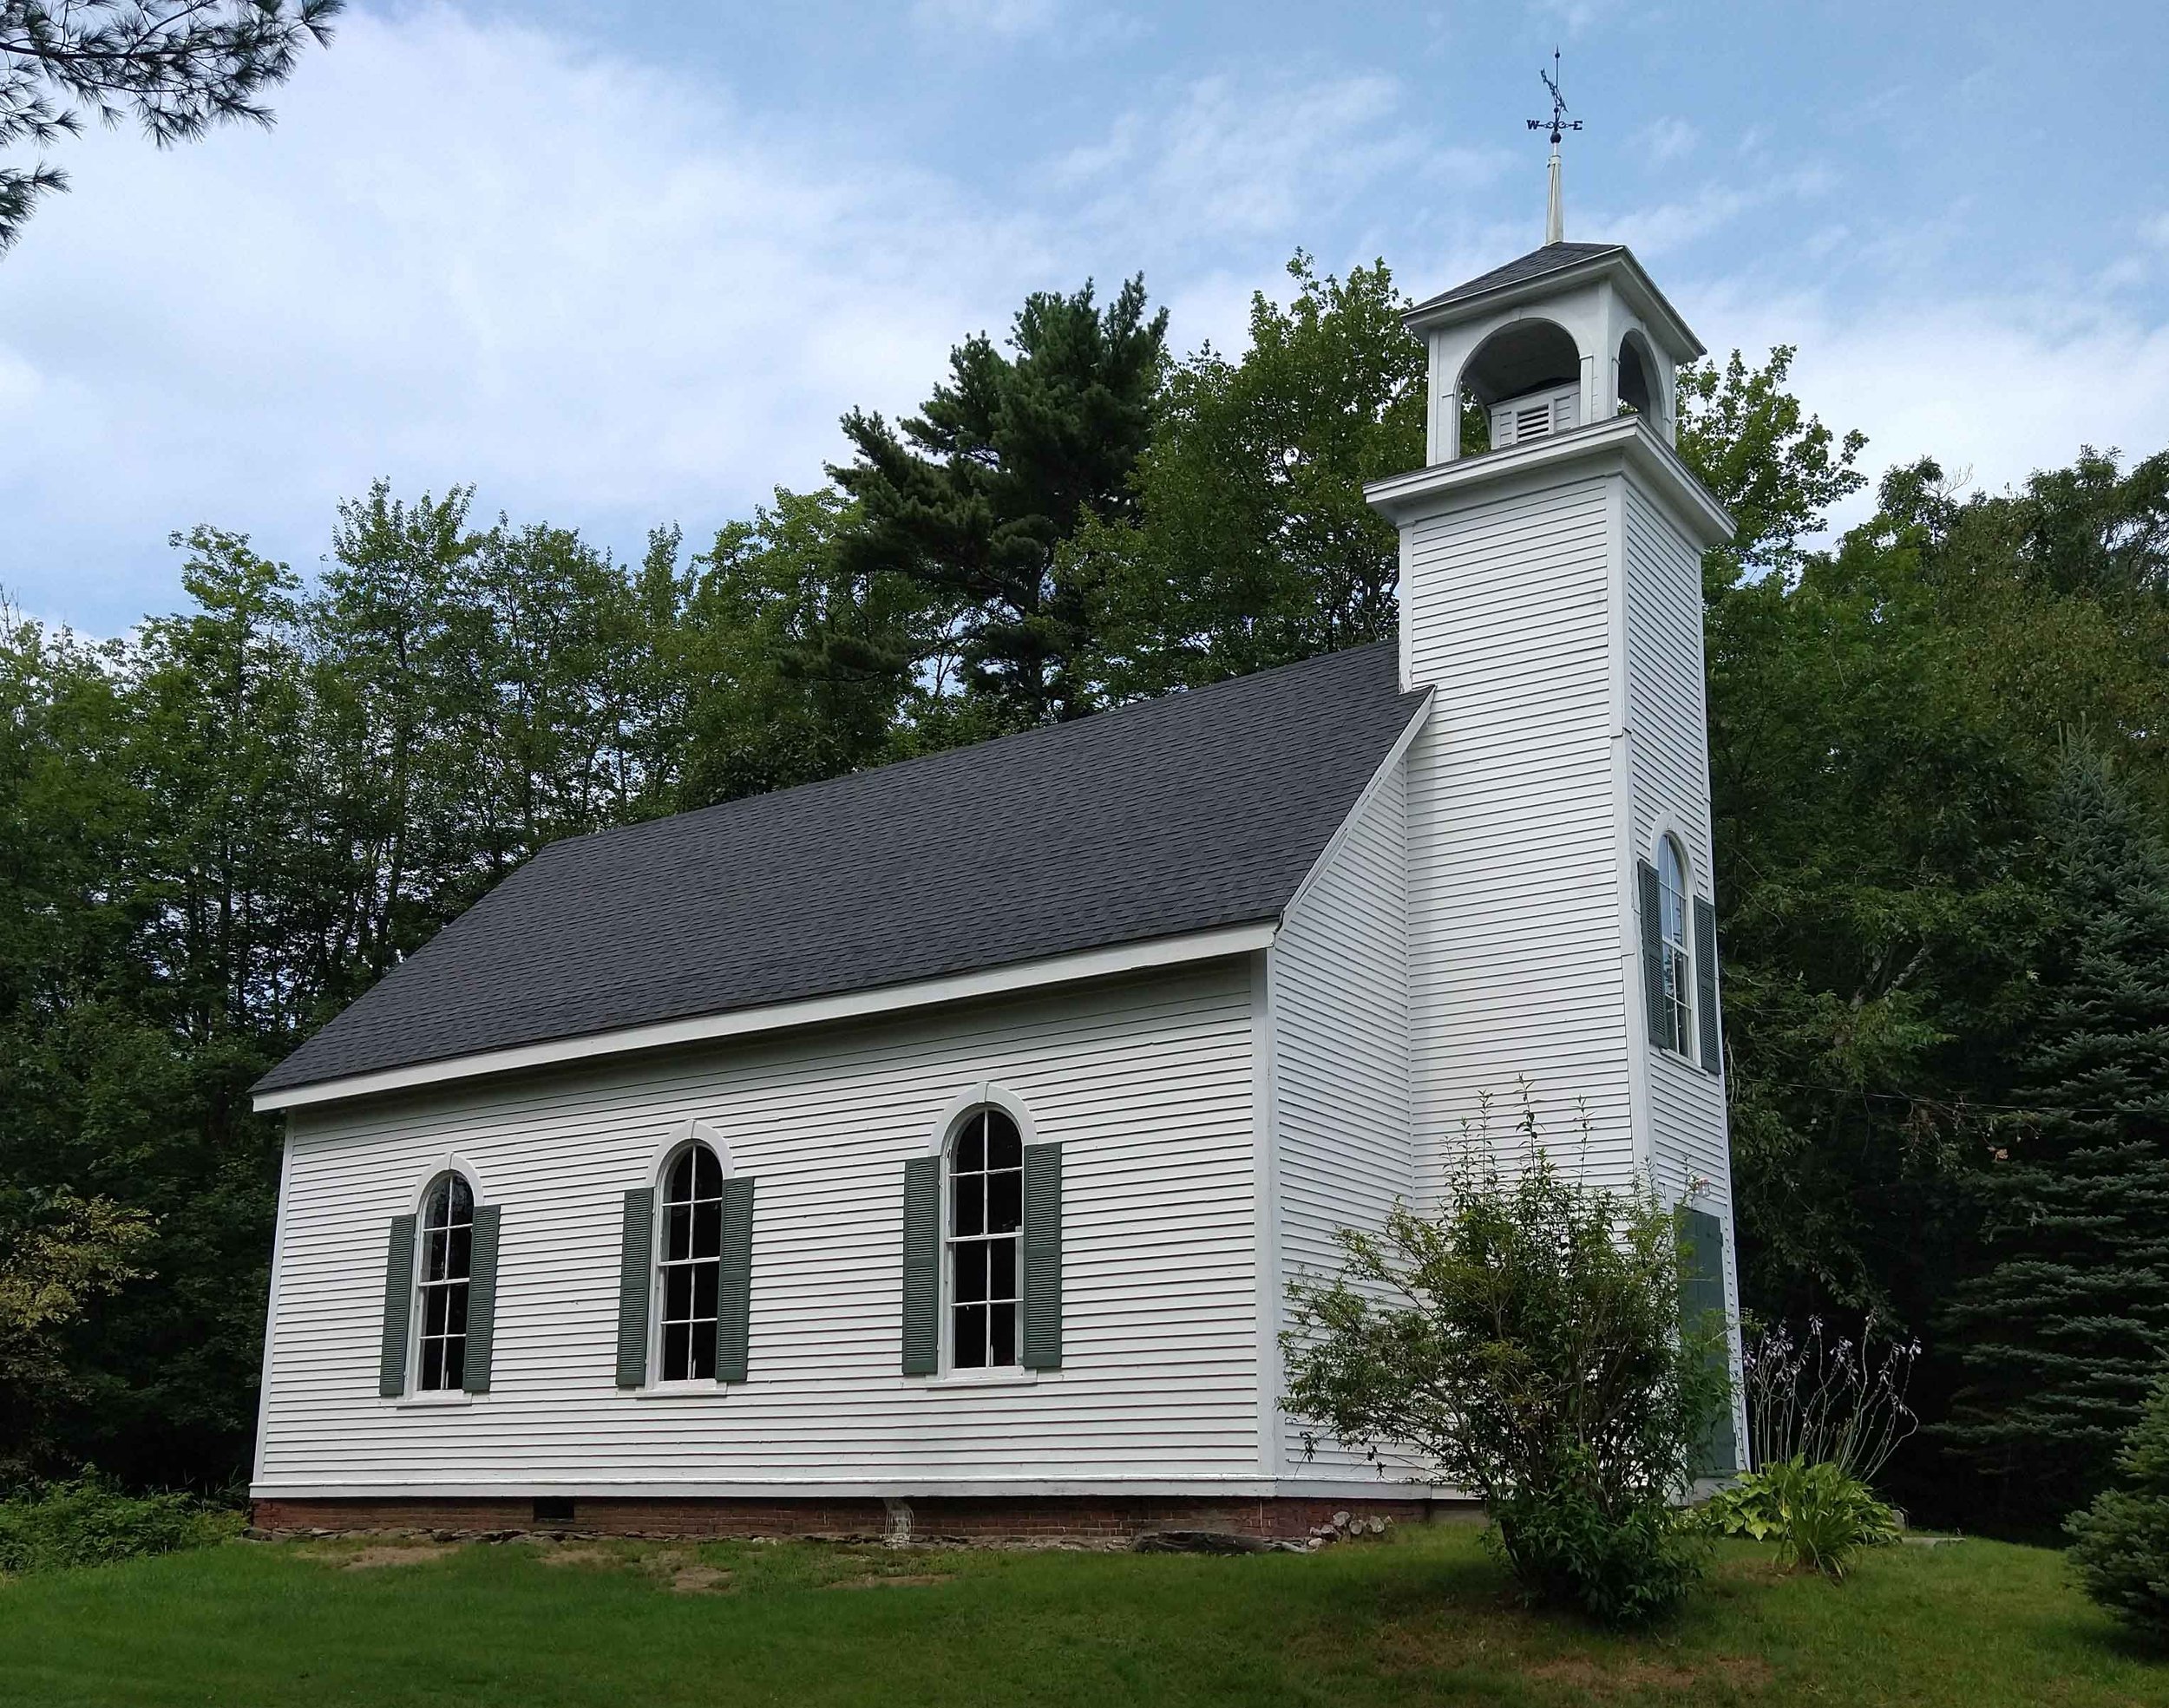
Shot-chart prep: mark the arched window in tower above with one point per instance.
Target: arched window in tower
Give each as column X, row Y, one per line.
column 986, row 1214
column 689, row 1264
column 1677, row 960
column 446, row 1261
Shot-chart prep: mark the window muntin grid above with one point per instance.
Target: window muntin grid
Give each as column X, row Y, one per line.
column 986, row 1218
column 444, row 1262
column 689, row 1268
column 1675, row 960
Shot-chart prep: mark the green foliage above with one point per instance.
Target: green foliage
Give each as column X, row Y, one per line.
column 2120, row 1544
column 65, row 1253
column 1525, row 1347
column 89, row 1520
column 2063, row 1335
column 1251, row 544
column 972, row 501
column 1817, row 1515
column 176, row 67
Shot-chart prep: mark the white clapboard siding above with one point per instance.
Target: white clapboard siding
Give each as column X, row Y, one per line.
column 1668, row 790
column 1338, row 992
column 1670, row 786
column 1513, row 856
column 1147, row 1084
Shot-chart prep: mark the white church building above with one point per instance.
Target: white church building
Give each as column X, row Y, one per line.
column 932, row 1147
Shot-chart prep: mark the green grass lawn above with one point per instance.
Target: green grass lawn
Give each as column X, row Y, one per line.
column 1422, row 1617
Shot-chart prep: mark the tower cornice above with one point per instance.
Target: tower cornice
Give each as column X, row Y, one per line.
column 1624, row 442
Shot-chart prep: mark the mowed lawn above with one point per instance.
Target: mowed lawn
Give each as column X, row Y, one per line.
column 1422, row 1617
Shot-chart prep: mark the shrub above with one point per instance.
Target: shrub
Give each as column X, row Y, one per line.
column 2120, row 1544
column 1525, row 1347
column 89, row 1522
column 1816, row 1513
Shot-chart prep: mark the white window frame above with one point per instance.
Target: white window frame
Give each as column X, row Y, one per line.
column 1676, row 954
column 948, row 1303
column 658, row 1292
column 419, row 1286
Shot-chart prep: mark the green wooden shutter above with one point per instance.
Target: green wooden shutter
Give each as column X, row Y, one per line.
column 734, row 1307
column 1706, row 985
column 391, row 1361
column 922, row 1266
column 1043, row 1257
column 482, row 1300
column 1653, row 957
column 1701, row 1295
column 636, row 1259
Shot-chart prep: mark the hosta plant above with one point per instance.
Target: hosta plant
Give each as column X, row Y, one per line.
column 1817, row 1515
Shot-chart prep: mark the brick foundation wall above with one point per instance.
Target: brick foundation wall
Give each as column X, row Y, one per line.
column 1109, row 1521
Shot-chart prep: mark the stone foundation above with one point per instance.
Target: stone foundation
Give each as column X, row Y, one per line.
column 1047, row 1520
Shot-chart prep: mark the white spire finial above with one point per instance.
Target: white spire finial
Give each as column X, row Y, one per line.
column 1558, row 124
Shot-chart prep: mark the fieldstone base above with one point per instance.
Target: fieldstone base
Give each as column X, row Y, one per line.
column 1046, row 1521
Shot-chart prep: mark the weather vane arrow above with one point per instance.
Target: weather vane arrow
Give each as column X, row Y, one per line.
column 1558, row 124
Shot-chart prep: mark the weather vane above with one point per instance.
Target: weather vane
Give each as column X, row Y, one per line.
column 1558, row 124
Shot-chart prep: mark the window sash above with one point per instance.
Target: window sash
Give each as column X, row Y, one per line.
column 443, row 1264
column 688, row 1277
column 983, row 1256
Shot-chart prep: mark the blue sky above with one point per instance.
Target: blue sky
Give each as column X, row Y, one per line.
column 623, row 264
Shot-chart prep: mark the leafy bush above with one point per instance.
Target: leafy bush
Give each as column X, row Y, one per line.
column 89, row 1522
column 1525, row 1347
column 2120, row 1544
column 1816, row 1513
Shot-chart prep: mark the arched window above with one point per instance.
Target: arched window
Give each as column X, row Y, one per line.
column 1676, row 960
column 986, row 1212
column 689, row 1265
column 442, row 1278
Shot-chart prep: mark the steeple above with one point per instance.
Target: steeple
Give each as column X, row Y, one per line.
column 1558, row 124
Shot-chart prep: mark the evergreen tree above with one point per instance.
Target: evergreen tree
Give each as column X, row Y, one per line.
column 973, row 498
column 2063, row 1335
column 176, row 66
column 2120, row 1545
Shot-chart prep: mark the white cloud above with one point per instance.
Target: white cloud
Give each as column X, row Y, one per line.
column 1668, row 140
column 467, row 253
column 1997, row 387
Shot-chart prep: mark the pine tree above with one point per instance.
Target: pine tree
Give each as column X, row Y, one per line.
column 2063, row 1335
column 2120, row 1545
column 974, row 498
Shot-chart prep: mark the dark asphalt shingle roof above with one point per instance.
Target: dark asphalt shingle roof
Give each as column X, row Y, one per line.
column 1198, row 810
column 1552, row 257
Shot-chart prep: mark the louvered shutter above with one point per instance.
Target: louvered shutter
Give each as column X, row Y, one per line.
column 734, row 1302
column 1706, row 985
column 1701, row 1298
column 636, row 1259
column 922, row 1266
column 1652, row 958
column 391, row 1362
column 1043, row 1257
column 482, row 1300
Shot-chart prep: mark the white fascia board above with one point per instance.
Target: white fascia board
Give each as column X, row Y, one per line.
column 1247, row 1485
column 1604, row 447
column 775, row 1017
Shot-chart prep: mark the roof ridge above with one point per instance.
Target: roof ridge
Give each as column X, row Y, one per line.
column 1010, row 739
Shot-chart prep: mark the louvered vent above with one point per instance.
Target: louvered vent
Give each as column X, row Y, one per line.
column 1535, row 415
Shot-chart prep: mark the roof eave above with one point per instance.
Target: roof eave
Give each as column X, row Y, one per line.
column 1113, row 959
column 1641, row 290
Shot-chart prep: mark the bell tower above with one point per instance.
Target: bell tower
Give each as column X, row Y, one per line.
column 1562, row 919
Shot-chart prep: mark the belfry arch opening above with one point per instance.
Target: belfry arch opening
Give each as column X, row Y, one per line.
column 1533, row 355
column 1641, row 380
